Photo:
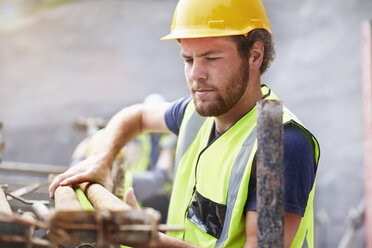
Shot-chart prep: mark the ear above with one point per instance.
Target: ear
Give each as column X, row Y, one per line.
column 256, row 55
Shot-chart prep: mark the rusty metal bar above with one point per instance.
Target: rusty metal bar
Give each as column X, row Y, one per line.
column 118, row 175
column 66, row 199
column 31, row 168
column 26, row 190
column 366, row 36
column 270, row 175
column 28, row 231
column 41, row 211
column 101, row 198
column 18, row 231
column 18, row 239
column 112, row 223
column 105, row 227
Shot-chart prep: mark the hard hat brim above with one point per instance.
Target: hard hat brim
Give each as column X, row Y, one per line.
column 174, row 35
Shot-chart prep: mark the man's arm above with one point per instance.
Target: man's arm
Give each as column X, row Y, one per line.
column 164, row 241
column 291, row 224
column 122, row 128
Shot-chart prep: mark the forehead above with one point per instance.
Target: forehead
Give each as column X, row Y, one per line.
column 200, row 45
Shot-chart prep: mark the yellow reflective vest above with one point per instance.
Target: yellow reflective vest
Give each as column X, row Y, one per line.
column 211, row 180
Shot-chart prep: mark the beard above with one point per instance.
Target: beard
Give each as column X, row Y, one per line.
column 226, row 100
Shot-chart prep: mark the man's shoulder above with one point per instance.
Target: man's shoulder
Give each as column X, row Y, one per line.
column 175, row 112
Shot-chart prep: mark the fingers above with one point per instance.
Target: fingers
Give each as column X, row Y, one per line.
column 89, row 170
column 78, row 178
column 55, row 183
column 130, row 198
column 68, row 177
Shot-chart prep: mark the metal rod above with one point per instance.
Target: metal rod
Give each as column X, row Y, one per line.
column 118, row 175
column 101, row 198
column 4, row 204
column 31, row 167
column 355, row 221
column 26, row 190
column 66, row 199
column 41, row 211
column 25, row 201
column 270, row 175
column 366, row 33
column 28, row 231
column 18, row 239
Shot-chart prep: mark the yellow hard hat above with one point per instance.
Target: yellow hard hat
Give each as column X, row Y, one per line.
column 212, row 18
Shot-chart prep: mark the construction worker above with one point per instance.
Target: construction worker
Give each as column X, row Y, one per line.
column 226, row 46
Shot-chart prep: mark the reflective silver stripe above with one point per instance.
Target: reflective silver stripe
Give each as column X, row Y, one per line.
column 191, row 131
column 235, row 179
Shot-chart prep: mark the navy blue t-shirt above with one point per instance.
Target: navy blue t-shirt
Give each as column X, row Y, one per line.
column 299, row 162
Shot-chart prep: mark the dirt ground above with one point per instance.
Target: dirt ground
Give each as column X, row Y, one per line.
column 91, row 58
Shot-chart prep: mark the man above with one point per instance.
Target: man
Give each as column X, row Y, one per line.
column 226, row 46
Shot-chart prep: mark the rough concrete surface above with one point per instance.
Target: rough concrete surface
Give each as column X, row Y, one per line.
column 91, row 58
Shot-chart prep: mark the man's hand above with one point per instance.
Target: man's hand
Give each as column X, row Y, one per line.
column 123, row 127
column 92, row 169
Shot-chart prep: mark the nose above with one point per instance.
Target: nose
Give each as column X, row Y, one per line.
column 198, row 71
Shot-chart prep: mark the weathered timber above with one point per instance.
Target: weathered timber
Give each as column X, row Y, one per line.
column 65, row 199
column 270, row 175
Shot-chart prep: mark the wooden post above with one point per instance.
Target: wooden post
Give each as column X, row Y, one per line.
column 270, row 175
column 366, row 33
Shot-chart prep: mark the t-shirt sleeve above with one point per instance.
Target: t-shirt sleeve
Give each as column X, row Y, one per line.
column 299, row 172
column 174, row 114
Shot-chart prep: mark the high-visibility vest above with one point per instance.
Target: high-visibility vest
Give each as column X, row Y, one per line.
column 143, row 161
column 211, row 180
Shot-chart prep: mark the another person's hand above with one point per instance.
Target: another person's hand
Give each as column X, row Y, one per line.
column 130, row 198
column 93, row 169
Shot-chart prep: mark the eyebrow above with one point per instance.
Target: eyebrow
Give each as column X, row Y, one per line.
column 201, row 55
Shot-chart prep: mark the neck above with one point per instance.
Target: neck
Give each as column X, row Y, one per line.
column 246, row 103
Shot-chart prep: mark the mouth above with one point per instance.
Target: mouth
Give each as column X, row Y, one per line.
column 201, row 91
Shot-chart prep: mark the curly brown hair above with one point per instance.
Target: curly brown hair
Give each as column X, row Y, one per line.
column 245, row 44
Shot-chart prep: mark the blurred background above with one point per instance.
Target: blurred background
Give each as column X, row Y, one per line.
column 64, row 59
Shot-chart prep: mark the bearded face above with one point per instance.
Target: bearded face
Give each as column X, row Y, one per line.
column 216, row 74
column 223, row 98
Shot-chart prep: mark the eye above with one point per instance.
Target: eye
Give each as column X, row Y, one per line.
column 212, row 58
column 188, row 61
